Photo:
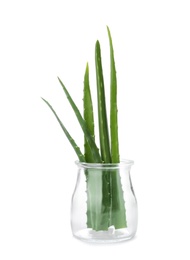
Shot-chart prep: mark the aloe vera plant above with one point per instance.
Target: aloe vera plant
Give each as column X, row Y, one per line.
column 105, row 202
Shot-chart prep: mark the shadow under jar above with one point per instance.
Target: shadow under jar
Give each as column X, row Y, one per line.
column 104, row 206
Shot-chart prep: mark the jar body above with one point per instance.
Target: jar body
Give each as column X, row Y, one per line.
column 104, row 207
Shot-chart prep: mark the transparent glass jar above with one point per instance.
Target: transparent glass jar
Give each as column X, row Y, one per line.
column 104, row 206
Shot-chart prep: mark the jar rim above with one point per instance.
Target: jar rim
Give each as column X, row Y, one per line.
column 123, row 163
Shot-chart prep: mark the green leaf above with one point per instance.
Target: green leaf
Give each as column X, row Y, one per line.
column 89, row 138
column 88, row 115
column 102, row 116
column 113, row 106
column 72, row 142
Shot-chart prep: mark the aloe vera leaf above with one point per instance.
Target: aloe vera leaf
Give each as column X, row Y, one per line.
column 103, row 216
column 102, row 116
column 94, row 149
column 113, row 105
column 98, row 212
column 93, row 177
column 98, row 199
column 118, row 211
column 88, row 116
column 72, row 142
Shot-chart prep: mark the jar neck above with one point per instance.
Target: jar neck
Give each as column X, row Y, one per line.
column 105, row 166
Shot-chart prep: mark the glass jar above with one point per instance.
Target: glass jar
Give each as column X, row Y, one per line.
column 104, row 206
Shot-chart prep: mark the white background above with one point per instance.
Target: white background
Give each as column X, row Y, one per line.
column 40, row 40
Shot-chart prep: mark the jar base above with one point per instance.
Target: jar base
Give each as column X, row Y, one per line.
column 111, row 236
